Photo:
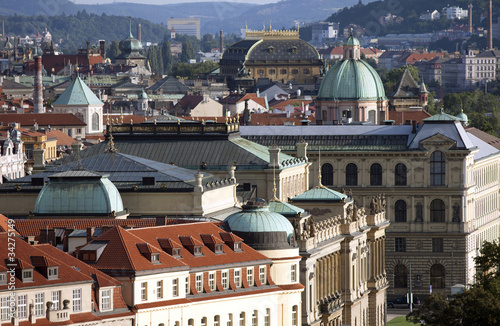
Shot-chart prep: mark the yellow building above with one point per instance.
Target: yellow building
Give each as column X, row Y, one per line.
column 277, row 55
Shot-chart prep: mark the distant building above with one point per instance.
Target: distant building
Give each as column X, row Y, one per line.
column 130, row 52
column 430, row 15
column 324, row 32
column 11, row 156
column 408, row 94
column 455, row 12
column 186, row 26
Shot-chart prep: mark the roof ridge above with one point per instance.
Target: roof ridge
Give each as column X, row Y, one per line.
column 46, row 245
column 119, row 231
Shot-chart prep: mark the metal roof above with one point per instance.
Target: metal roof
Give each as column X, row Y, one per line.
column 78, row 93
column 258, row 220
column 320, row 194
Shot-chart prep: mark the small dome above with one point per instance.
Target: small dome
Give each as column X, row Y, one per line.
column 15, row 134
column 78, row 193
column 352, row 79
column 143, row 95
column 261, row 228
column 352, row 41
column 130, row 44
column 463, row 117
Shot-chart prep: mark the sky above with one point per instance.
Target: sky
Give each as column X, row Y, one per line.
column 162, row 2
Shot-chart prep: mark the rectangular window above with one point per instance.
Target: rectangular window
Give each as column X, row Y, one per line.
column 437, row 244
column 3, row 278
column 400, row 244
column 144, row 291
column 27, row 275
column 159, row 290
column 54, row 297
column 4, row 306
column 267, row 317
column 199, row 282
column 39, row 304
column 175, row 287
column 77, row 300
column 53, row 273
column 105, row 299
column 187, row 286
column 250, row 276
column 22, row 306
column 293, row 273
column 237, row 277
column 262, row 275
column 211, row 281
column 224, row 280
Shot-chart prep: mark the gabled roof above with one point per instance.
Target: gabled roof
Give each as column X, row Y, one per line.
column 78, row 93
column 10, row 84
column 285, row 209
column 407, row 86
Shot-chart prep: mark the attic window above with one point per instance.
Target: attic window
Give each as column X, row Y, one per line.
column 176, row 252
column 294, row 49
column 27, row 275
column 271, row 49
column 155, row 258
column 237, row 246
column 218, row 248
column 53, row 273
column 198, row 251
column 3, row 278
column 89, row 256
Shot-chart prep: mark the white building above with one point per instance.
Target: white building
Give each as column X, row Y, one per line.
column 455, row 13
column 324, row 32
column 11, row 155
column 430, row 15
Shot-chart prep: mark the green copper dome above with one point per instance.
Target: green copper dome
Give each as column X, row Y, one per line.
column 130, row 44
column 352, row 79
column 463, row 117
column 78, row 193
column 352, row 41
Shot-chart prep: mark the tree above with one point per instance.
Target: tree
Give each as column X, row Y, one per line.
column 480, row 305
column 113, row 50
column 153, row 55
column 166, row 54
column 208, row 42
column 187, row 51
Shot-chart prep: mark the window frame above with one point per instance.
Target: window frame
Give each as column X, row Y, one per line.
column 144, row 291
column 22, row 306
column 262, row 275
column 106, row 300
column 400, row 211
column 293, row 272
column 399, row 244
column 437, row 212
column 400, row 174
column 327, row 174
column 438, row 168
column 175, row 287
column 351, row 174
column 77, row 300
column 437, row 245
column 159, row 290
column 199, row 282
column 250, row 278
column 376, row 174
column 237, row 277
column 39, row 305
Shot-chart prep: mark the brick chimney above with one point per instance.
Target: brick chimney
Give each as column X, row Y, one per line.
column 38, row 92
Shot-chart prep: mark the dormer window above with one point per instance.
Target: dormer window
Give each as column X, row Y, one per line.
column 3, row 278
column 155, row 258
column 218, row 248
column 176, row 252
column 27, row 275
column 198, row 251
column 237, row 246
column 52, row 273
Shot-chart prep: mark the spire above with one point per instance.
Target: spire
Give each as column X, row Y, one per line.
column 130, row 28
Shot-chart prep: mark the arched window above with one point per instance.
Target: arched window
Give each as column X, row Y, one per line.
column 95, row 121
column 438, row 169
column 438, row 276
column 351, row 175
column 242, row 319
column 255, row 320
column 400, row 276
column 437, row 211
column 400, row 211
column 327, row 174
column 376, row 174
column 217, row 320
column 267, row 317
column 203, row 321
column 191, row 322
column 400, row 174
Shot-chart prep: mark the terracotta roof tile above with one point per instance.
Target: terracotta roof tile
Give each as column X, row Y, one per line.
column 62, row 138
column 42, row 119
column 400, row 117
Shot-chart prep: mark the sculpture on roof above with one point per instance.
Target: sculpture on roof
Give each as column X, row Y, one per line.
column 377, row 204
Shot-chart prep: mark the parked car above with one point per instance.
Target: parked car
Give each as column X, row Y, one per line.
column 402, row 302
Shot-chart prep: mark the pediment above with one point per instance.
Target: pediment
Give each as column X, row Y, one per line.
column 437, row 140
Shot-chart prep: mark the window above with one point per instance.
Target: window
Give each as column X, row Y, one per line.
column 39, row 304
column 250, row 276
column 295, row 71
column 187, row 285
column 437, row 169
column 224, row 280
column 295, row 315
column 3, row 278
column 400, row 174
column 203, row 321
column 437, row 276
column 78, row 131
column 351, row 175
column 267, row 317
column 22, row 311
column 400, row 211
column 254, row 318
column 4, row 308
column 176, row 252
column 237, row 246
column 262, row 275
column 55, row 298
column 437, row 244
column 211, row 281
column 144, row 291
column 27, row 275
column 376, row 174
column 237, row 277
column 283, row 71
column 175, row 287
column 77, row 300
column 293, row 273
column 95, row 121
column 191, row 322
column 242, row 319
column 199, row 284
column 437, row 211
column 106, row 299
column 306, row 71
column 53, row 273
column 400, row 276
column 400, row 244
column 327, row 174
column 159, row 290
column 217, row 320
column 155, row 258
column 198, row 251
column 230, row 320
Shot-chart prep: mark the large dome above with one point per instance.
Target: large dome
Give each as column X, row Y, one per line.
column 81, row 193
column 352, row 79
column 261, row 228
column 130, row 44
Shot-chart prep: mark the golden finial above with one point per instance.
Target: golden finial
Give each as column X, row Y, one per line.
column 107, row 118
column 202, row 121
column 111, row 144
column 179, row 121
column 155, row 121
column 131, row 122
column 145, row 119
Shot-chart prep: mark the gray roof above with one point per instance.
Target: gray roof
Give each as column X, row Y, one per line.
column 169, row 85
column 454, row 131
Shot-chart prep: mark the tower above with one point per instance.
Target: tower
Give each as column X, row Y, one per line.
column 38, row 95
column 470, row 18
column 139, row 33
column 490, row 26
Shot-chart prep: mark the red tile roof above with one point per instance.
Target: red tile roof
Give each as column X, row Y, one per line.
column 253, row 97
column 295, row 102
column 62, row 138
column 127, row 118
column 400, row 117
column 4, row 225
column 42, row 119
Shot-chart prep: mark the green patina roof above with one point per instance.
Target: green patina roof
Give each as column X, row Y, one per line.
column 350, row 80
column 352, row 41
column 320, row 194
column 463, row 117
column 285, row 209
column 78, row 93
column 442, row 117
column 258, row 220
column 78, row 193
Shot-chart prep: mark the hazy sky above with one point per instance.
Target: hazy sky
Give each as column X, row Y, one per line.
column 162, row 2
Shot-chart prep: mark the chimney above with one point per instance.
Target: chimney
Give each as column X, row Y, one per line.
column 139, row 37
column 414, row 127
column 38, row 96
column 490, row 26
column 470, row 18
column 302, row 149
column 274, row 160
column 90, row 234
column 102, row 48
column 221, row 44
